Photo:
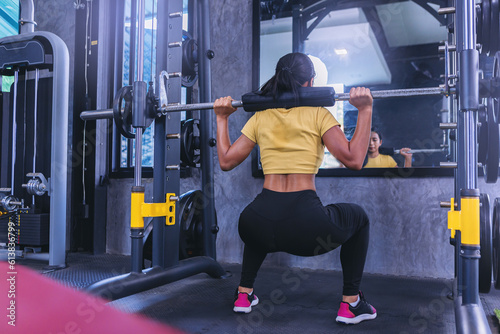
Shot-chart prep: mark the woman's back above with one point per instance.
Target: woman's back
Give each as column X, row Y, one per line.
column 290, row 139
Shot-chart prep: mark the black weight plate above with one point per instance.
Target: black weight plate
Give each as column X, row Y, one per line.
column 492, row 156
column 191, row 205
column 482, row 136
column 189, row 60
column 486, row 25
column 486, row 244
column 123, row 115
column 496, row 74
column 189, row 144
column 496, row 243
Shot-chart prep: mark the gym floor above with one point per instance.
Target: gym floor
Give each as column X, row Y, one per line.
column 291, row 300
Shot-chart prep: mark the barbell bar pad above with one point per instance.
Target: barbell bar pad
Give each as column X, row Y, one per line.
column 307, row 96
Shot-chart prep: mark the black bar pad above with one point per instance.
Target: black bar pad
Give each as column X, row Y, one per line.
column 308, row 96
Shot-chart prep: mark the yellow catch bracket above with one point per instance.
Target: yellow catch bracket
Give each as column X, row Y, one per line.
column 139, row 210
column 466, row 220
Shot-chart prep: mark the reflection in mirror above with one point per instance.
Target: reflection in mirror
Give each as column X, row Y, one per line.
column 9, row 25
column 388, row 45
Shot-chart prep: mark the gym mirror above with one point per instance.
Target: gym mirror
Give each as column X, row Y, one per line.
column 377, row 44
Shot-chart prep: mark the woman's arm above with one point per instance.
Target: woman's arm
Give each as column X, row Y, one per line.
column 229, row 155
column 405, row 152
column 352, row 153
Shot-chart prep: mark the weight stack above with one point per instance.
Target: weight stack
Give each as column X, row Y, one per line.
column 31, row 229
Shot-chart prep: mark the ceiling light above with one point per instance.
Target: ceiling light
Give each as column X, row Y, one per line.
column 341, row 51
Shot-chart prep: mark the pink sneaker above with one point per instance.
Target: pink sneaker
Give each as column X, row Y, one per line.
column 243, row 302
column 353, row 315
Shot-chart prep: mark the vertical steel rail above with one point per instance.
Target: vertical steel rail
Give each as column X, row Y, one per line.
column 137, row 233
column 207, row 171
column 14, row 134
column 118, row 79
column 159, row 138
column 172, row 63
column 35, row 121
column 469, row 314
column 132, row 60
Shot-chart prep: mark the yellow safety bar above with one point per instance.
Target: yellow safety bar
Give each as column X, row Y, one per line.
column 139, row 210
column 466, row 220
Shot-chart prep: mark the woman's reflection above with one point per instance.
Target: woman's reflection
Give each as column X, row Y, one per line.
column 375, row 159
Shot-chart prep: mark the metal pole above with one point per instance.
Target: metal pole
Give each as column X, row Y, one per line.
column 118, row 78
column 132, row 60
column 14, row 133
column 469, row 314
column 35, row 121
column 207, row 176
column 137, row 233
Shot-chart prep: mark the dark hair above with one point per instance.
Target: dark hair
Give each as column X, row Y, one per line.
column 377, row 132
column 292, row 71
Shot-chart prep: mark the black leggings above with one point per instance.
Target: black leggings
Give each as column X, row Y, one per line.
column 299, row 224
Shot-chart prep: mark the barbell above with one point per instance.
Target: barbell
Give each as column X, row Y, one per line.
column 392, row 151
column 307, row 96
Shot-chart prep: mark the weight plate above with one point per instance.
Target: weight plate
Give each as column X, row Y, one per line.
column 492, row 156
column 482, row 135
column 191, row 205
column 494, row 42
column 190, row 143
column 486, row 26
column 496, row 243
column 189, row 61
column 496, row 74
column 485, row 242
column 123, row 114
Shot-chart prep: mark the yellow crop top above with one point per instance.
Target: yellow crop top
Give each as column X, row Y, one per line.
column 381, row 161
column 290, row 140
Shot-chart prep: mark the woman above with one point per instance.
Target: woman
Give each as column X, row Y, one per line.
column 287, row 215
column 377, row 160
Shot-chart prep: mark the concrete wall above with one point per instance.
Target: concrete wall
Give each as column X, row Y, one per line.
column 409, row 234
